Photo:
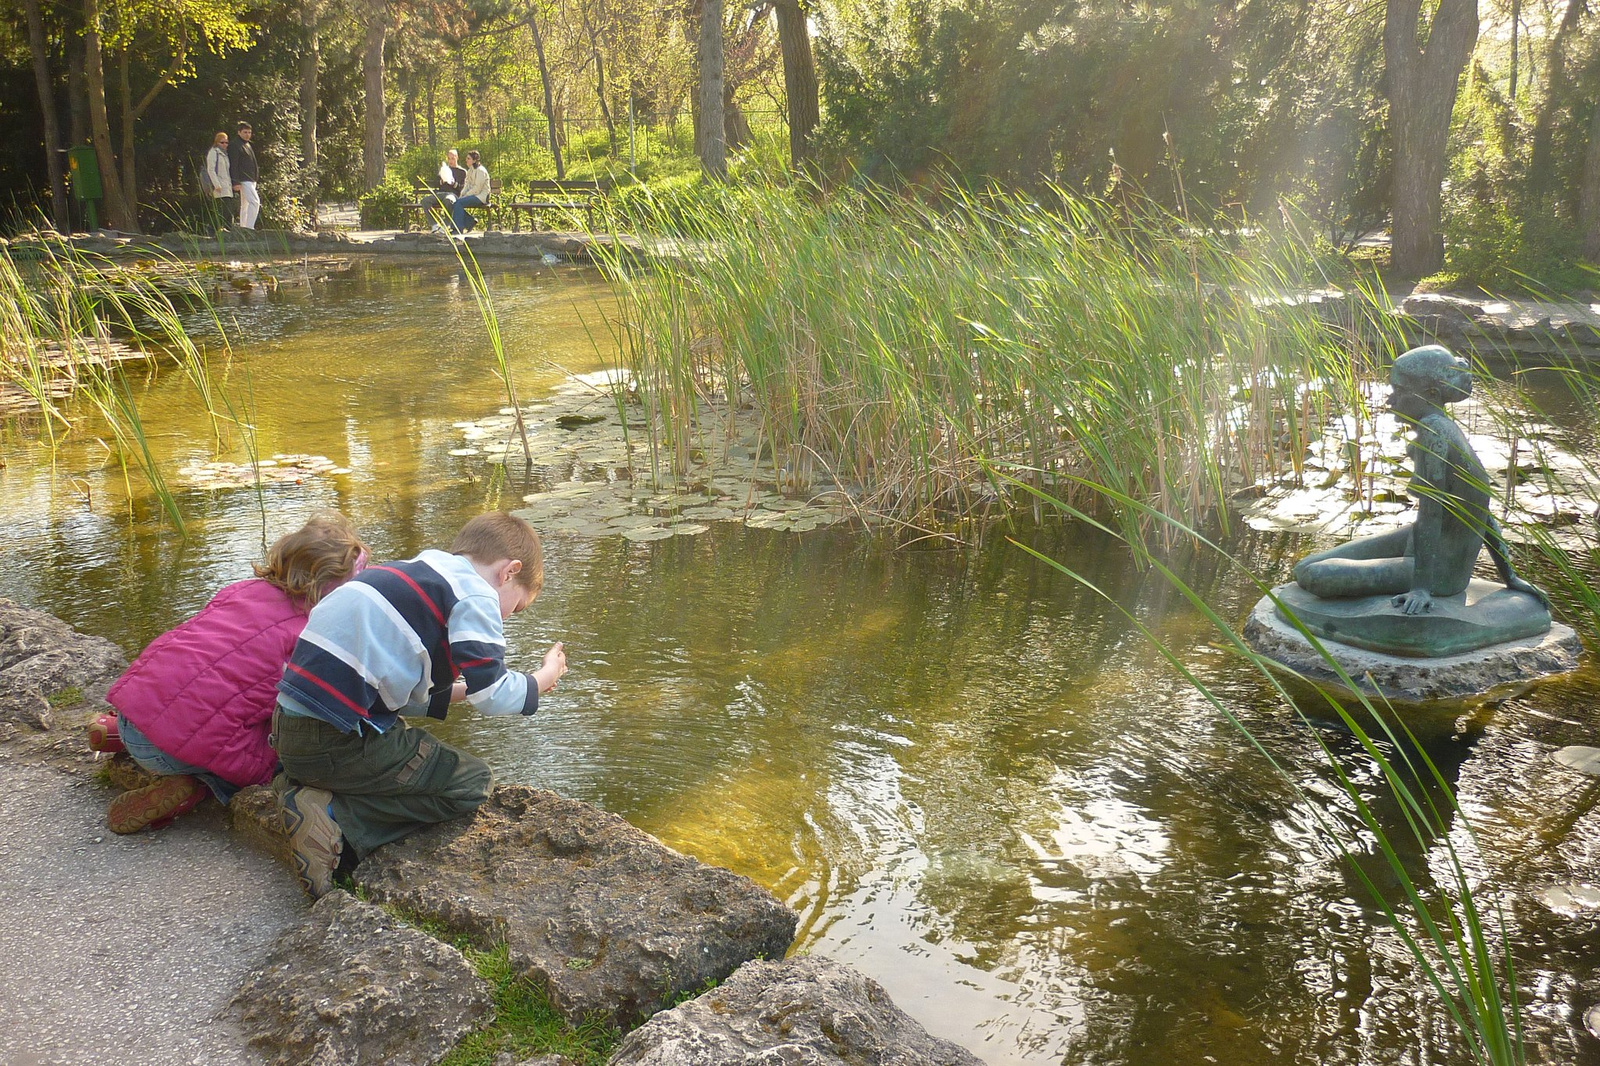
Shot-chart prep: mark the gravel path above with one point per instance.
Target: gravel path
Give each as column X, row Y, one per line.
column 121, row 950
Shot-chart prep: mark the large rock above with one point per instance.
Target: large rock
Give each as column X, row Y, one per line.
column 806, row 1011
column 44, row 659
column 351, row 984
column 609, row 920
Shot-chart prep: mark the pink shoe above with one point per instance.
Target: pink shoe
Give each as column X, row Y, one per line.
column 155, row 806
column 104, row 735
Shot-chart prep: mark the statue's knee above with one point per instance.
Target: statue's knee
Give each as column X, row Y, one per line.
column 1305, row 574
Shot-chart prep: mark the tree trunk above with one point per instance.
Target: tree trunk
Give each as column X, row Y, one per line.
column 130, row 184
column 372, row 144
column 77, row 91
column 1422, row 95
column 600, row 79
column 433, row 124
column 713, row 135
column 549, row 99
column 799, row 78
column 735, row 127
column 408, row 123
column 463, row 114
column 1541, row 169
column 1589, row 199
column 310, row 64
column 117, row 214
column 60, row 212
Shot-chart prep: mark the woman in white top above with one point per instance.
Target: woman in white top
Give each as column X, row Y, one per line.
column 217, row 178
column 474, row 193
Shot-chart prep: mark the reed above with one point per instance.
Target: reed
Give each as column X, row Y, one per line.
column 895, row 347
column 1457, row 937
column 69, row 321
column 491, row 324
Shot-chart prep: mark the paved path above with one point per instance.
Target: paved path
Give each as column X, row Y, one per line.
column 120, row 950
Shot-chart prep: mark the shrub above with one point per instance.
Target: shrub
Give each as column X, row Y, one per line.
column 385, row 206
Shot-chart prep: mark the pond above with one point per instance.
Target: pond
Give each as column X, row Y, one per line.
column 972, row 776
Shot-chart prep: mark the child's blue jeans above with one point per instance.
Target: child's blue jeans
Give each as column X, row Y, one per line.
column 152, row 758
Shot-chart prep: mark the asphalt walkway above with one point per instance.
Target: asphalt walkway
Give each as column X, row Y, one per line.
column 121, row 950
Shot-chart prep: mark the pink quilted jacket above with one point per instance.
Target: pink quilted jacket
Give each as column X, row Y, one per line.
column 204, row 692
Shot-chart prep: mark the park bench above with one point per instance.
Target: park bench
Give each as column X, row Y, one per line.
column 550, row 194
column 490, row 217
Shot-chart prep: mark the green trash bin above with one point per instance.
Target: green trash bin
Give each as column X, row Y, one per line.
column 84, row 167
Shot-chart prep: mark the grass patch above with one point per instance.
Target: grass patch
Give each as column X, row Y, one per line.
column 65, row 697
column 525, row 1023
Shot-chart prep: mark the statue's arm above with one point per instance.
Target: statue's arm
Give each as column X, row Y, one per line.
column 1430, row 480
column 1496, row 543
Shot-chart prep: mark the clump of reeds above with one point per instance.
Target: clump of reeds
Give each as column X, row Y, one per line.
column 68, row 323
column 894, row 347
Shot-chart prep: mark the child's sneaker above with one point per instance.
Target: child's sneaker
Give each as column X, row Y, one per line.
column 155, row 805
column 104, row 734
column 314, row 839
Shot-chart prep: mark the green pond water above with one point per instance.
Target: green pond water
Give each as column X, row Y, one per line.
column 973, row 778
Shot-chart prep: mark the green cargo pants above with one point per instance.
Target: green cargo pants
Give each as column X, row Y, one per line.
column 385, row 785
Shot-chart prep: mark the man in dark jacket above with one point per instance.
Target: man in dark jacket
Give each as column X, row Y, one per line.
column 242, row 166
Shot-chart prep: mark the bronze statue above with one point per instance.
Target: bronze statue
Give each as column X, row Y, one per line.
column 1434, row 556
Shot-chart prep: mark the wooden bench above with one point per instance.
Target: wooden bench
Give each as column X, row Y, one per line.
column 492, row 215
column 415, row 206
column 549, row 194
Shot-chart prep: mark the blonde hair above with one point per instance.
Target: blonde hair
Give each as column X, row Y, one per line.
column 222, row 135
column 314, row 559
column 497, row 535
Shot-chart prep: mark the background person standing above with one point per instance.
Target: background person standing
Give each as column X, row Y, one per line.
column 242, row 164
column 218, row 181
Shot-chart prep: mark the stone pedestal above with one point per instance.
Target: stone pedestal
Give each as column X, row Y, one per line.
column 1498, row 668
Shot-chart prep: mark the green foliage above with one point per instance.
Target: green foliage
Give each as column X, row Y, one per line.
column 65, row 697
column 385, row 206
column 1226, row 106
column 525, row 1024
column 892, row 346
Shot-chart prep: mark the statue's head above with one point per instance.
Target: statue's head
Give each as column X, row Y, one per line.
column 1432, row 373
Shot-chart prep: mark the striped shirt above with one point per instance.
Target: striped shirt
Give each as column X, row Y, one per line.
column 393, row 639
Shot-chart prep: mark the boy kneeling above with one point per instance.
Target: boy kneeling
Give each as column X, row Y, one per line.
column 402, row 639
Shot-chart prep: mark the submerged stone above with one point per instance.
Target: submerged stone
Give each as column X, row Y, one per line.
column 1484, row 615
column 809, row 1010
column 1577, row 757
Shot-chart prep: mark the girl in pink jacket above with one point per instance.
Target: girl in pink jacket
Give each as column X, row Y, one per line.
column 196, row 705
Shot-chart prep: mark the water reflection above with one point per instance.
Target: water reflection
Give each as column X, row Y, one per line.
column 968, row 772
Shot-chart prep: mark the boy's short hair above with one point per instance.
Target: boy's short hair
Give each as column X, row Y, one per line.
column 497, row 535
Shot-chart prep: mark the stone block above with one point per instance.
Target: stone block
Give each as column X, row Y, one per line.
column 609, row 920
column 352, row 984
column 39, row 652
column 809, row 1010
column 26, row 706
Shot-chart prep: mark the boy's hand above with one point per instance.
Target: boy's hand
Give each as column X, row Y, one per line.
column 555, row 664
column 458, row 691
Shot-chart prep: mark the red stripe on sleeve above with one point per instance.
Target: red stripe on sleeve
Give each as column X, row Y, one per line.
column 335, row 693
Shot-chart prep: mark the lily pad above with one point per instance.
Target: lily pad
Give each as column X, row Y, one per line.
column 646, row 533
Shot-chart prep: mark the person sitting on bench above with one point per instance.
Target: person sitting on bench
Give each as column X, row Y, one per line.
column 474, row 193
column 451, row 177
